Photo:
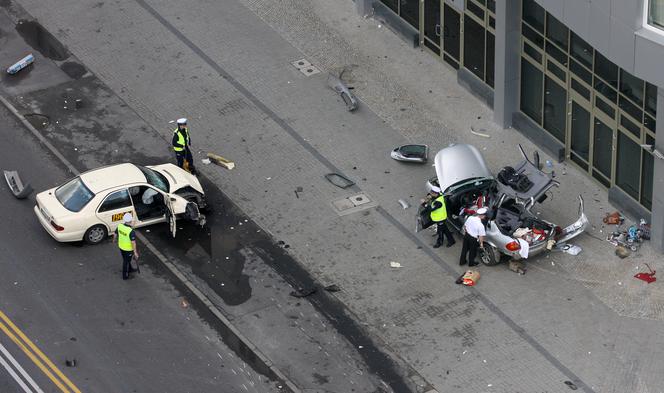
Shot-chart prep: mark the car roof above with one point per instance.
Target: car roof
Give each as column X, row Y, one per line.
column 111, row 176
column 459, row 162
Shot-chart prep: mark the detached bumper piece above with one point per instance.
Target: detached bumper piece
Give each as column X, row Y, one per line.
column 20, row 190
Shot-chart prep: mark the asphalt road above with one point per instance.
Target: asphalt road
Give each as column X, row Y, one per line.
column 141, row 335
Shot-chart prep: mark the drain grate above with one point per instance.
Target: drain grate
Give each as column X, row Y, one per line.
column 305, row 67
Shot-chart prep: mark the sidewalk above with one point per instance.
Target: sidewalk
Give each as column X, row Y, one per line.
column 572, row 317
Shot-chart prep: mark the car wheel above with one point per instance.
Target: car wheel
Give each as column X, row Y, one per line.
column 490, row 255
column 95, row 234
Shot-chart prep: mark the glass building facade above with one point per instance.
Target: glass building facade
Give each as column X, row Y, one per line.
column 600, row 113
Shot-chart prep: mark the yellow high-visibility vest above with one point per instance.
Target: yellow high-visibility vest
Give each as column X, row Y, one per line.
column 439, row 214
column 183, row 139
column 124, row 241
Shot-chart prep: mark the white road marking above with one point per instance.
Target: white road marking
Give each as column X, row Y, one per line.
column 20, row 370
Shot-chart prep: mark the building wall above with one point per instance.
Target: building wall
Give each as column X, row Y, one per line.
column 615, row 28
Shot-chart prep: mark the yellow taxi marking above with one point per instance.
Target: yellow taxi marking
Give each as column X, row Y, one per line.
column 31, row 350
column 118, row 216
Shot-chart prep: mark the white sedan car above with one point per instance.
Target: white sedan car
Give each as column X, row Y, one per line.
column 90, row 206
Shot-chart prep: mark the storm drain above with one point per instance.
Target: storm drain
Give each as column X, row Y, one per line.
column 305, row 67
column 353, row 204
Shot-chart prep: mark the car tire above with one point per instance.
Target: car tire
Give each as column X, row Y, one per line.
column 490, row 255
column 95, row 234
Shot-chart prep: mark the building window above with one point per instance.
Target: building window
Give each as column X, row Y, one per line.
column 628, row 165
column 479, row 39
column 599, row 113
column 656, row 13
column 409, row 10
column 531, row 91
column 555, row 109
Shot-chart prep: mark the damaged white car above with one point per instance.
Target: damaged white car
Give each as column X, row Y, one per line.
column 468, row 184
column 90, row 206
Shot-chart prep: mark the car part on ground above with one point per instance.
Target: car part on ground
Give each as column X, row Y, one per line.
column 344, row 91
column 20, row 190
column 411, row 153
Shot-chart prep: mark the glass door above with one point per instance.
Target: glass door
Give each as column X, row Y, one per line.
column 451, row 36
column 431, row 27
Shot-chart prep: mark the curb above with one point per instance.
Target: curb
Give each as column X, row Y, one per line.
column 244, row 342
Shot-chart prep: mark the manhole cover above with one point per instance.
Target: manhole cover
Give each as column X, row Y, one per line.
column 305, row 67
column 359, row 199
column 343, row 204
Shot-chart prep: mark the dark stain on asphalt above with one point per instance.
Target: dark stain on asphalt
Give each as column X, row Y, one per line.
column 41, row 40
column 73, row 69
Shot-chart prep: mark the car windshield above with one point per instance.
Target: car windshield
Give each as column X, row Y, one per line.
column 155, row 178
column 74, row 195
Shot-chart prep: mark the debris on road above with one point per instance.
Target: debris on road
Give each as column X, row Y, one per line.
column 70, row 362
column 395, row 265
column 483, row 135
column 221, row 161
column 571, row 385
column 647, row 277
column 20, row 190
column 471, row 277
column 184, row 303
column 614, row 218
column 517, row 267
column 21, row 64
column 206, row 161
column 411, row 153
column 622, row 252
column 332, row 288
column 404, row 204
column 570, row 249
column 303, row 292
column 339, row 180
column 344, row 91
column 298, row 190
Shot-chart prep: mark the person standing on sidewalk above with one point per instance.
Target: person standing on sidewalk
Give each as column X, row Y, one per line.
column 473, row 237
column 182, row 145
column 439, row 216
column 127, row 244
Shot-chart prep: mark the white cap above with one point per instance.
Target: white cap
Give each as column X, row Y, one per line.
column 481, row 210
column 182, row 120
column 127, row 218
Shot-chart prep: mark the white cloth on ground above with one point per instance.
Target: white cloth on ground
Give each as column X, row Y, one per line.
column 525, row 247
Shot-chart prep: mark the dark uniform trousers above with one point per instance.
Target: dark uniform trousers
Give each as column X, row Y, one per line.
column 126, row 263
column 469, row 248
column 443, row 230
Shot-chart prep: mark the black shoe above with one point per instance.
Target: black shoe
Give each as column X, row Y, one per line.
column 437, row 245
column 450, row 244
column 473, row 263
column 132, row 270
column 461, row 263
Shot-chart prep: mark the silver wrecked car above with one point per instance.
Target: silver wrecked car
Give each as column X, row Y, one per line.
column 468, row 184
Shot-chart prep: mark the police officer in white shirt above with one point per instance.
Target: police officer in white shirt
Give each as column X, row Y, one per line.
column 473, row 237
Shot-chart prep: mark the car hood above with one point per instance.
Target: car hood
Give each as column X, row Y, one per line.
column 457, row 163
column 178, row 177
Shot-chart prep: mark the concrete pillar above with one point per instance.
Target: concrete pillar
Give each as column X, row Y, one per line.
column 657, row 215
column 508, row 34
column 363, row 7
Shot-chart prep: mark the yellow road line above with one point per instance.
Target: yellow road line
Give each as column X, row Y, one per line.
column 40, row 354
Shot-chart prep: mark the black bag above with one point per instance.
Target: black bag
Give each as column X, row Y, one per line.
column 518, row 181
column 425, row 216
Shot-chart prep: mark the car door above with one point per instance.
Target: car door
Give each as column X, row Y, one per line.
column 114, row 207
column 170, row 215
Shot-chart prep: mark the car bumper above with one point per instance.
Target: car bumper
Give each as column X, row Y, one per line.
column 59, row 236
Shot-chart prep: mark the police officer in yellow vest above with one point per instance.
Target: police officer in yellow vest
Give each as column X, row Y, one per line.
column 127, row 244
column 439, row 216
column 181, row 145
